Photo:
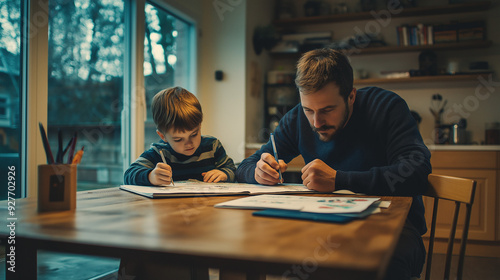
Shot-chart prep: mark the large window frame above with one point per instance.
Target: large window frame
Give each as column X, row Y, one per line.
column 35, row 95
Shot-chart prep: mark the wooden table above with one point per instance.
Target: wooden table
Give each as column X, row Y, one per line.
column 115, row 223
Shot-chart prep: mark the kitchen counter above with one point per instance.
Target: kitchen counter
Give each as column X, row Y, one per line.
column 463, row 147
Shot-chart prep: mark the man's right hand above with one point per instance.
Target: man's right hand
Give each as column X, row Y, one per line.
column 161, row 175
column 266, row 170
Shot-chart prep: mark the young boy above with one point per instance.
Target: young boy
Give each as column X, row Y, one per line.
column 188, row 155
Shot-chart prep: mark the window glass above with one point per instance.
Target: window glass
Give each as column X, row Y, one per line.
column 10, row 98
column 167, row 46
column 85, row 85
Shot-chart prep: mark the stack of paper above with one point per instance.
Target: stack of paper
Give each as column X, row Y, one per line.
column 328, row 209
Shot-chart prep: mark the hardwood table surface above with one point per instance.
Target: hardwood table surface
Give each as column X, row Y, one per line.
column 116, row 223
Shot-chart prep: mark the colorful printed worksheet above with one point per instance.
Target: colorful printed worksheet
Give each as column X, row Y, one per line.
column 302, row 203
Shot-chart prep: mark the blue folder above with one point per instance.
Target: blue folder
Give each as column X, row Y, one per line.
column 293, row 214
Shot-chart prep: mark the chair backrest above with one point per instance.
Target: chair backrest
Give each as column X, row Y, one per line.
column 461, row 191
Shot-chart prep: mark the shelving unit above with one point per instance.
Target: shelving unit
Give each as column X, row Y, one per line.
column 292, row 24
column 406, row 12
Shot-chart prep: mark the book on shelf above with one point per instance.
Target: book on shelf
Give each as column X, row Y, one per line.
column 426, row 34
column 445, row 33
column 470, row 31
column 395, row 74
column 414, row 35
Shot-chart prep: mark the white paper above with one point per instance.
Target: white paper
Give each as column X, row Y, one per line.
column 200, row 188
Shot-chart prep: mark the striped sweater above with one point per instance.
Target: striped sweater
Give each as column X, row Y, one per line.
column 209, row 155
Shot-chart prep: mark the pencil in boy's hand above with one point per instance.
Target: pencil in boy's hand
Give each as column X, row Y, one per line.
column 78, row 156
column 46, row 146
column 164, row 161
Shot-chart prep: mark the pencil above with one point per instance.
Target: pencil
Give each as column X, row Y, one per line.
column 164, row 161
column 78, row 157
column 276, row 154
column 46, row 146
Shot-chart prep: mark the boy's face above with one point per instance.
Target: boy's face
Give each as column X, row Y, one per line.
column 185, row 142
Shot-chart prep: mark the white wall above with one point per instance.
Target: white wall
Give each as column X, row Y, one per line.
column 259, row 14
column 222, row 47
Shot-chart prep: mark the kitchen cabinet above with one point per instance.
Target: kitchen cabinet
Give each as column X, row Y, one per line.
column 484, row 167
column 291, row 24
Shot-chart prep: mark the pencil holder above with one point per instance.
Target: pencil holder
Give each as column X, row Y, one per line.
column 56, row 187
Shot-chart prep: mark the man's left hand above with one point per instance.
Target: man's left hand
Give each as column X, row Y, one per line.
column 318, row 176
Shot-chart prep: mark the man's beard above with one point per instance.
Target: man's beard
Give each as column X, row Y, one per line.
column 337, row 130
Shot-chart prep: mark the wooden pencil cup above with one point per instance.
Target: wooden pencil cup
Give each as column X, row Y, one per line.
column 56, row 187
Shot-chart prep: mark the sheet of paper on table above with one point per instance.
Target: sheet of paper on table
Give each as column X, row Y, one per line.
column 198, row 188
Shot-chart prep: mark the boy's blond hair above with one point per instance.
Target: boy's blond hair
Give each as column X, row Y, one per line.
column 176, row 108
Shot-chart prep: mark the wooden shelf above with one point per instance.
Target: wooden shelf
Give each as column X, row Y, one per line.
column 401, row 49
column 406, row 12
column 437, row 47
column 422, row 79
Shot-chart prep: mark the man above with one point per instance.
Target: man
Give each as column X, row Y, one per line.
column 363, row 140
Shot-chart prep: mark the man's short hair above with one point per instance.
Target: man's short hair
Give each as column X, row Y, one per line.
column 319, row 67
column 176, row 108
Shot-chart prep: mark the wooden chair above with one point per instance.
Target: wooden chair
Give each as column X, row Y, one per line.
column 460, row 191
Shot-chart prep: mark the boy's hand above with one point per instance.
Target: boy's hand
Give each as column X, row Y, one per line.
column 161, row 175
column 266, row 170
column 214, row 176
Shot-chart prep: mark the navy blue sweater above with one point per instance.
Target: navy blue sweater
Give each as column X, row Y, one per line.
column 209, row 155
column 379, row 152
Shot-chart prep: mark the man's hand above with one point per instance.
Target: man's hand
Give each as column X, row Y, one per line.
column 318, row 176
column 214, row 176
column 161, row 175
column 266, row 170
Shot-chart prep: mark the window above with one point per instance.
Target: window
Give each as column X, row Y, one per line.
column 167, row 46
column 89, row 81
column 85, row 85
column 10, row 94
column 4, row 110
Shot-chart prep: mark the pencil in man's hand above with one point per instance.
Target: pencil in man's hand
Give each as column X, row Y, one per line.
column 276, row 155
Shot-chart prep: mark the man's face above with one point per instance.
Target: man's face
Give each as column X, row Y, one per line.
column 185, row 142
column 327, row 111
